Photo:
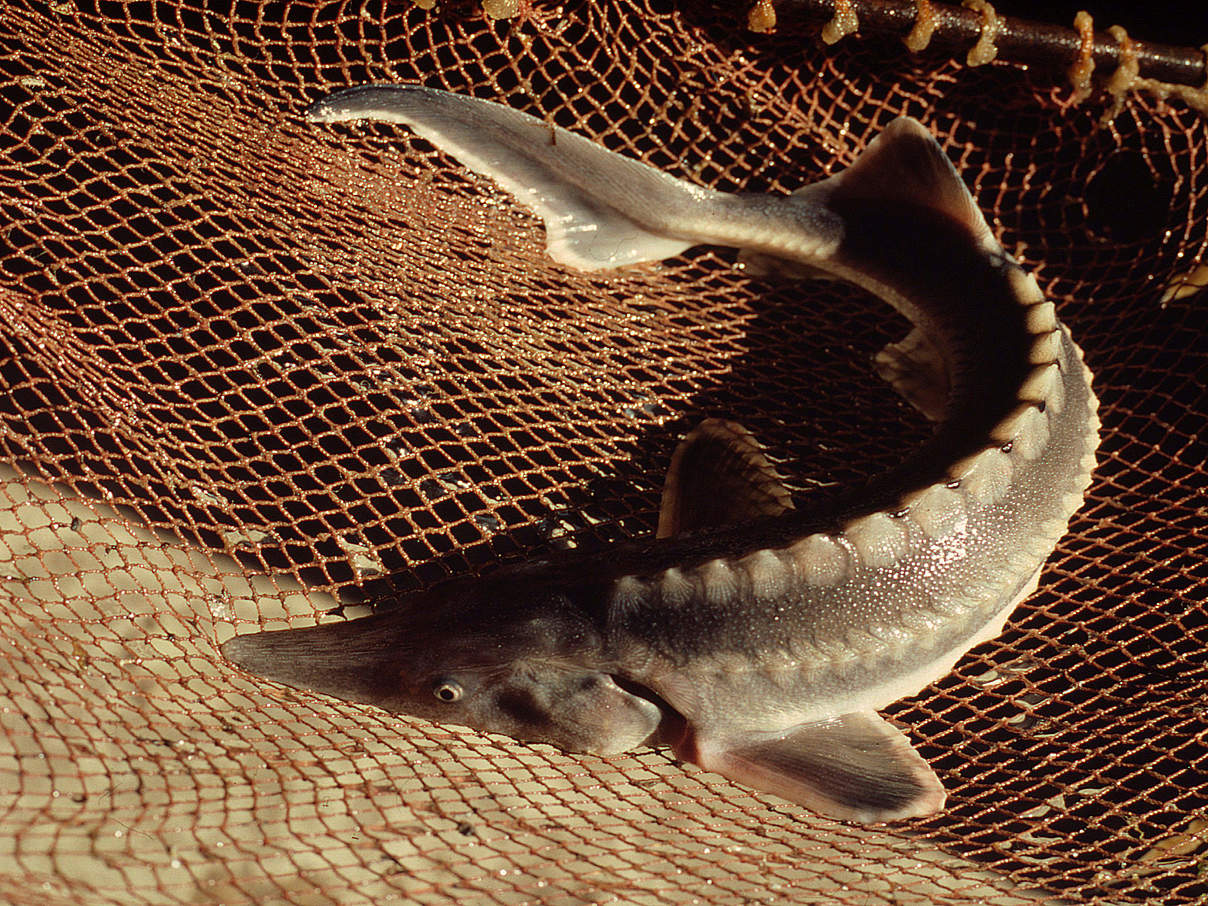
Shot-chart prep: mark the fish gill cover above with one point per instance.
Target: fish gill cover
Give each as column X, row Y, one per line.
column 253, row 372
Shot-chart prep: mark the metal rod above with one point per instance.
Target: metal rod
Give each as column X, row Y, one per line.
column 1020, row 40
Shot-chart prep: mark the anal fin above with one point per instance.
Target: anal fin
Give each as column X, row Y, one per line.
column 857, row 767
column 719, row 476
column 915, row 368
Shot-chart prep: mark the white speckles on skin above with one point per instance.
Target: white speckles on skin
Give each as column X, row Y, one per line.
column 1045, row 348
column 768, row 574
column 821, row 559
column 985, row 476
column 938, row 510
column 719, row 581
column 1041, row 318
column 879, row 539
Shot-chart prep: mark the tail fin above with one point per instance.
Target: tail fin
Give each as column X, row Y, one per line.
column 600, row 209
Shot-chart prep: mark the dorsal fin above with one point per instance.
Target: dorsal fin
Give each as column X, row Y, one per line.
column 906, row 164
column 719, row 476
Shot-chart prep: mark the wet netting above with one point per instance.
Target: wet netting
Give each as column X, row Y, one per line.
column 256, row 372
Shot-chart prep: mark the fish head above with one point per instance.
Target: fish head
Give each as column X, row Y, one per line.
column 532, row 672
column 574, row 708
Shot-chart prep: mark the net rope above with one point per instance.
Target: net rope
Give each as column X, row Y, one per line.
column 254, row 371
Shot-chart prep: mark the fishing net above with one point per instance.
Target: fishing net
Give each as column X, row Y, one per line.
column 255, row 372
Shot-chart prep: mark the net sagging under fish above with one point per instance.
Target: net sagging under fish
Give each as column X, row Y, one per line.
column 253, row 370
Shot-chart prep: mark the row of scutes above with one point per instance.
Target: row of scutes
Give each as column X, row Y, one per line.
column 879, row 540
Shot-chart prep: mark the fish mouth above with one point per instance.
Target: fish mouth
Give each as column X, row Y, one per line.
column 673, row 729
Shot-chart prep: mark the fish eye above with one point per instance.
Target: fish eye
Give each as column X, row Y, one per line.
column 447, row 690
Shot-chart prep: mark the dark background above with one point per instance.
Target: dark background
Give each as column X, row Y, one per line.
column 1166, row 22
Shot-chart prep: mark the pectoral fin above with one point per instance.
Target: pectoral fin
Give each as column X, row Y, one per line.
column 856, row 767
column 719, row 476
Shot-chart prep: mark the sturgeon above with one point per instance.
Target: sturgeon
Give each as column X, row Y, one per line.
column 756, row 639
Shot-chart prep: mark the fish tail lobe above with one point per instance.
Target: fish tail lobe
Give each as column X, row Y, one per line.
column 600, row 209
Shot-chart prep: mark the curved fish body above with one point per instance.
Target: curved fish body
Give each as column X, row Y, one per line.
column 758, row 640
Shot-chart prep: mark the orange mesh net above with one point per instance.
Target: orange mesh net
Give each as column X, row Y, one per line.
column 253, row 369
